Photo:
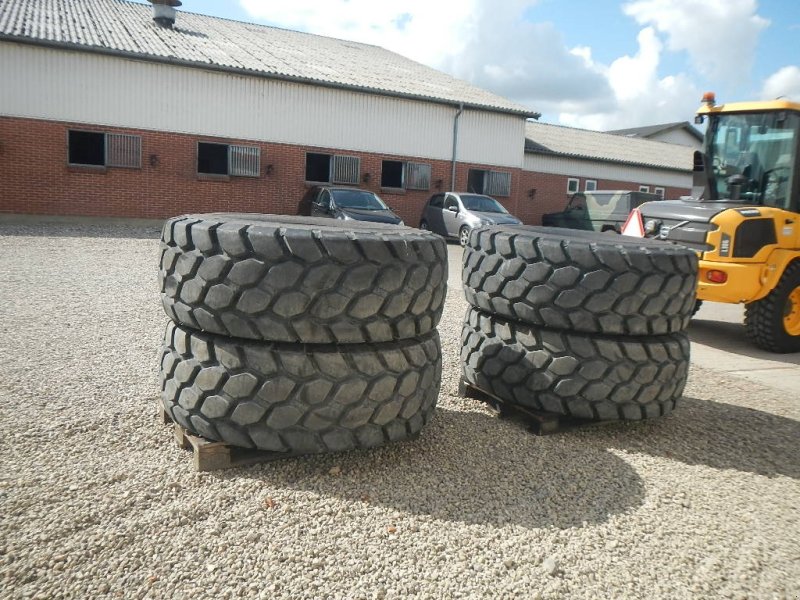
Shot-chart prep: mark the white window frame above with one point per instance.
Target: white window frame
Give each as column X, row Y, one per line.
column 659, row 191
column 573, row 185
column 590, row 185
column 644, row 188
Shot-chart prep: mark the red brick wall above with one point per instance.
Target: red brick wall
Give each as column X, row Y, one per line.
column 36, row 179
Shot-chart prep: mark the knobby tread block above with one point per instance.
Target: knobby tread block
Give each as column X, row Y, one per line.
column 587, row 376
column 298, row 398
column 580, row 280
column 301, row 279
column 764, row 319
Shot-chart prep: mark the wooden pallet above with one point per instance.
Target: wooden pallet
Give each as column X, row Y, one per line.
column 535, row 421
column 214, row 456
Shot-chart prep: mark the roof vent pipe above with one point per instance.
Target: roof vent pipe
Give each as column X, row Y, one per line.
column 164, row 11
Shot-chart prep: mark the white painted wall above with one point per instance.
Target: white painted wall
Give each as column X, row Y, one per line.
column 679, row 136
column 571, row 167
column 81, row 87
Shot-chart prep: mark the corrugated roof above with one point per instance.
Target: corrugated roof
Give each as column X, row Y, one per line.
column 542, row 138
column 127, row 28
column 650, row 130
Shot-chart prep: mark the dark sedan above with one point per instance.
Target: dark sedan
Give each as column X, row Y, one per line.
column 347, row 204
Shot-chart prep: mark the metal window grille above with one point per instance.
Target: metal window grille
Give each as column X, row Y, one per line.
column 244, row 161
column 345, row 169
column 418, row 176
column 123, row 150
column 497, row 183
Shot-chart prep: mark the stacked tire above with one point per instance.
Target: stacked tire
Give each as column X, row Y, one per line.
column 577, row 323
column 300, row 335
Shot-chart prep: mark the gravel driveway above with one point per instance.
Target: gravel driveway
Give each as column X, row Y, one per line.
column 97, row 501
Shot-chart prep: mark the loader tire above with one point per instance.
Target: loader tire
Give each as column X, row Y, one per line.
column 587, row 376
column 773, row 323
column 295, row 398
column 581, row 280
column 301, row 279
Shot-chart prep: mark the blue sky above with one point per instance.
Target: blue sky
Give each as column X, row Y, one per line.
column 598, row 64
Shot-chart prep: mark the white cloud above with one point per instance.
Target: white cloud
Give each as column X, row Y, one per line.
column 641, row 98
column 424, row 31
column 494, row 45
column 720, row 36
column 528, row 62
column 783, row 83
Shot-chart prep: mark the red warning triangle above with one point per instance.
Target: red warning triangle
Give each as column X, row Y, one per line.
column 634, row 226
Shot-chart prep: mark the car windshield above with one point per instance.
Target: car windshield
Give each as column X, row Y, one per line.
column 358, row 199
column 482, row 204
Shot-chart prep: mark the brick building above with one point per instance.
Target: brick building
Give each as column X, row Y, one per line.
column 560, row 161
column 106, row 112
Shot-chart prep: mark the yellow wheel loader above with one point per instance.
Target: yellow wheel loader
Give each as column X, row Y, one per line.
column 743, row 218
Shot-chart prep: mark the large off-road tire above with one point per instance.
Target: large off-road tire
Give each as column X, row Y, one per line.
column 298, row 398
column 773, row 323
column 581, row 280
column 586, row 376
column 302, row 279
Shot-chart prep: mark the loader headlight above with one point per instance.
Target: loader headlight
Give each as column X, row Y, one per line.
column 651, row 226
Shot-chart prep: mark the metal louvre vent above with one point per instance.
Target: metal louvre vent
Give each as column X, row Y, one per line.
column 418, row 176
column 345, row 169
column 497, row 183
column 244, row 161
column 123, row 150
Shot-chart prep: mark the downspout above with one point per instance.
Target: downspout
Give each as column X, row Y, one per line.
column 455, row 147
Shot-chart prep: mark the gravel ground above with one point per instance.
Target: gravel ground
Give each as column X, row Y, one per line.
column 97, row 501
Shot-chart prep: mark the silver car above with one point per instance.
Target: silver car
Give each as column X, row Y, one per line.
column 456, row 214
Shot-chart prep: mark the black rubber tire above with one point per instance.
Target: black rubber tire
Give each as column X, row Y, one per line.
column 302, row 279
column 581, row 280
column 698, row 304
column 298, row 398
column 764, row 319
column 585, row 376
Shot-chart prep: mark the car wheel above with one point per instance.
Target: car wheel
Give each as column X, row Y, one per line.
column 463, row 235
column 299, row 398
column 301, row 279
column 424, row 226
column 597, row 377
column 581, row 280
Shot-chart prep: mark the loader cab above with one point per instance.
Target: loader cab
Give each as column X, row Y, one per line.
column 752, row 156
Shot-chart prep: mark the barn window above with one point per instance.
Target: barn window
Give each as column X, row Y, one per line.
column 330, row 168
column 494, row 183
column 590, row 185
column 95, row 148
column 418, row 176
column 392, row 174
column 660, row 192
column 573, row 185
column 644, row 188
column 405, row 175
column 228, row 159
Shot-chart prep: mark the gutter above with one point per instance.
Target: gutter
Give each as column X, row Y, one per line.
column 455, row 147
